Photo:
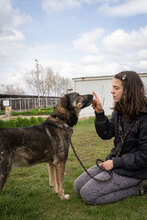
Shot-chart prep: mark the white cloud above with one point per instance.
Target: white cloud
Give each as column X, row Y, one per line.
column 98, row 51
column 99, row 1
column 110, row 7
column 116, row 41
column 143, row 53
column 90, row 59
column 96, row 69
column 112, row 52
column 60, row 5
column 10, row 41
column 121, row 42
column 87, row 42
column 10, row 17
column 125, row 9
column 142, row 64
column 11, row 38
column 103, row 53
column 128, row 49
column 42, row 51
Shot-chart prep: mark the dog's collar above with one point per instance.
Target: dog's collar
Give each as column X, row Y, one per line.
column 61, row 120
column 61, row 123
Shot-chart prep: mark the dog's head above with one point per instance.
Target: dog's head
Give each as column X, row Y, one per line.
column 75, row 101
column 70, row 105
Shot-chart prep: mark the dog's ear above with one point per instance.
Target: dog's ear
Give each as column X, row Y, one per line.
column 65, row 101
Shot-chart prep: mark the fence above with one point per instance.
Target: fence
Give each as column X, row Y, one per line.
column 24, row 102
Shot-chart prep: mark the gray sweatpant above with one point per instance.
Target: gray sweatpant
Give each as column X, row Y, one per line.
column 93, row 192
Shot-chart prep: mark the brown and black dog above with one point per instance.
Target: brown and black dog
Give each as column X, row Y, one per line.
column 47, row 142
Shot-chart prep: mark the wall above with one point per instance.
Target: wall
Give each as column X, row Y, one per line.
column 101, row 85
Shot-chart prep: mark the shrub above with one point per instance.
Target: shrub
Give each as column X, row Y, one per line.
column 21, row 122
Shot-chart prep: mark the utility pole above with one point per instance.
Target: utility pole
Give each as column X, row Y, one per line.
column 38, row 85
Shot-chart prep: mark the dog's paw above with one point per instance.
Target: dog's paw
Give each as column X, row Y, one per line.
column 62, row 196
column 53, row 190
column 67, row 196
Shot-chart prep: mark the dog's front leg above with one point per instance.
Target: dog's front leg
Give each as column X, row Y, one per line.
column 60, row 168
column 52, row 177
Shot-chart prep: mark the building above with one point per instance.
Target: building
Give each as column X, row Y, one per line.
column 101, row 85
column 26, row 102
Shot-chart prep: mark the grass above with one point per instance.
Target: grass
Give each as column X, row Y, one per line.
column 2, row 112
column 20, row 122
column 27, row 195
column 43, row 111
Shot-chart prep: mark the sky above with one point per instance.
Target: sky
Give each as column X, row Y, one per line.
column 76, row 38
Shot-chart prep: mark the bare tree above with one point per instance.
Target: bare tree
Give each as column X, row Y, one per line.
column 11, row 89
column 49, row 80
column 46, row 82
column 61, row 85
column 67, row 85
column 35, row 80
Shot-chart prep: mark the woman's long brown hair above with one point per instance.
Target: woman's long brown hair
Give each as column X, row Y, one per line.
column 134, row 99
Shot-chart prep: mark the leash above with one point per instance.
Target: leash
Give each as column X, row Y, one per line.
column 123, row 137
column 98, row 160
column 110, row 172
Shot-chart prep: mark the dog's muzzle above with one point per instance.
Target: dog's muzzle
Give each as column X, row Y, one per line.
column 87, row 100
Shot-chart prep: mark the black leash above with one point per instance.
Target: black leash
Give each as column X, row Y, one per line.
column 123, row 137
column 98, row 160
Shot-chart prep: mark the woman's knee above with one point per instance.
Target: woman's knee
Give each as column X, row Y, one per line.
column 81, row 181
column 84, row 178
column 77, row 187
column 88, row 196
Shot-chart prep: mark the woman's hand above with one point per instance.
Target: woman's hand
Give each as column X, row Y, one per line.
column 96, row 104
column 107, row 165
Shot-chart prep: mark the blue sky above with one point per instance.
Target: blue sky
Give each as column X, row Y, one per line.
column 75, row 38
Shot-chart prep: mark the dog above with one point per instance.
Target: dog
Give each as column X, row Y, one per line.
column 47, row 142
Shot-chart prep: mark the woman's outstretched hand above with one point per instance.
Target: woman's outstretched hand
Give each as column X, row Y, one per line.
column 96, row 104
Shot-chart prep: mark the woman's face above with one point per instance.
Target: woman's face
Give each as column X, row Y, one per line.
column 117, row 90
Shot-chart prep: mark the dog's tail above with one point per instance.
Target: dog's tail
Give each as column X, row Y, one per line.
column 5, row 166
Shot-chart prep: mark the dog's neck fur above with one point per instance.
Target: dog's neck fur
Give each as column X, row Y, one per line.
column 70, row 117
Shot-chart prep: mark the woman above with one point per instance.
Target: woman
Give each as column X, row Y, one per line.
column 128, row 159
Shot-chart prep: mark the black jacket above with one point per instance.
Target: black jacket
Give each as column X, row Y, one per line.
column 132, row 161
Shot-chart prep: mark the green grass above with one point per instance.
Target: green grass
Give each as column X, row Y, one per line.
column 2, row 112
column 27, row 195
column 43, row 111
column 20, row 122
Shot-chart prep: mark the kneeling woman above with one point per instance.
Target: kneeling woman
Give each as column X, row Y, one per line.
column 128, row 159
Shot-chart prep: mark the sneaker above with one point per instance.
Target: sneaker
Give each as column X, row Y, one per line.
column 142, row 187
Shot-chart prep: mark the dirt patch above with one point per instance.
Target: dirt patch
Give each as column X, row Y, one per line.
column 3, row 117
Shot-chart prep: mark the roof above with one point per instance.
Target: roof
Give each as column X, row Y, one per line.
column 91, row 77
column 24, row 96
column 102, row 77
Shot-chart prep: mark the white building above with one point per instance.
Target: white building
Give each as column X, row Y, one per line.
column 102, row 86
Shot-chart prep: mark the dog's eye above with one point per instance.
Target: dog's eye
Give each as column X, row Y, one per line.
column 80, row 105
